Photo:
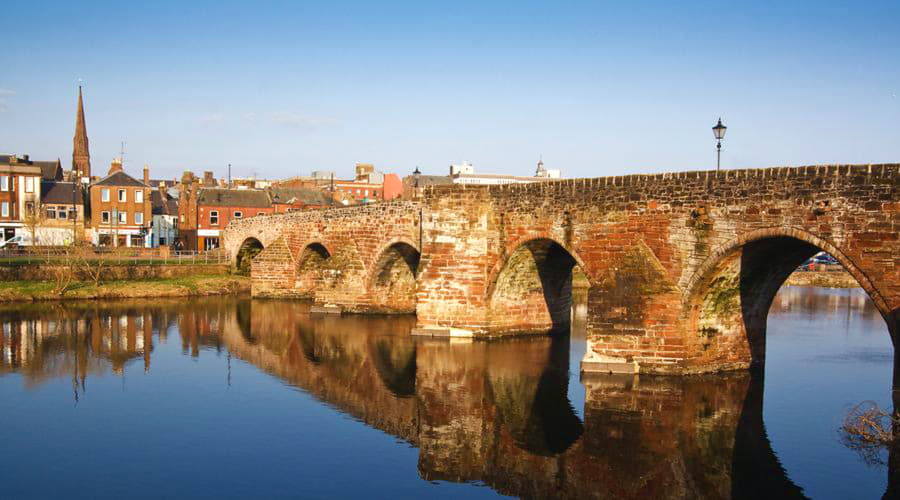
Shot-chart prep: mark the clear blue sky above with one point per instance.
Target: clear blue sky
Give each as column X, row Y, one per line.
column 598, row 88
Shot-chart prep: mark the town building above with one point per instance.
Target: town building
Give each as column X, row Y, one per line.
column 368, row 186
column 295, row 199
column 464, row 173
column 216, row 207
column 62, row 220
column 164, row 210
column 120, row 208
column 20, row 194
column 415, row 184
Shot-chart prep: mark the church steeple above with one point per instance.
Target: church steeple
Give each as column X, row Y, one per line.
column 81, row 156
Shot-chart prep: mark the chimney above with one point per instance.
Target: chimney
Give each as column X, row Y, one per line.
column 162, row 189
column 115, row 166
column 146, row 174
column 208, row 179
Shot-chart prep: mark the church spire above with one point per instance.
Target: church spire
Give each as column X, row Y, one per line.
column 81, row 156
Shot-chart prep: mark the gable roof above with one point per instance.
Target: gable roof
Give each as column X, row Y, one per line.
column 223, row 197
column 50, row 170
column 119, row 178
column 162, row 204
column 307, row 196
column 61, row 193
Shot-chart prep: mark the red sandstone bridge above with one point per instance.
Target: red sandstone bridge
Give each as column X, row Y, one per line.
column 681, row 267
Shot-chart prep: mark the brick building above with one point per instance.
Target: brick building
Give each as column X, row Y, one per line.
column 368, row 186
column 20, row 193
column 205, row 212
column 120, row 208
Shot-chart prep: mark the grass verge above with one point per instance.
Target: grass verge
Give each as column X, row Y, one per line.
column 201, row 284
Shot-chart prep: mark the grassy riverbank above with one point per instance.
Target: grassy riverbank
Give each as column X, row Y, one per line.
column 827, row 279
column 204, row 284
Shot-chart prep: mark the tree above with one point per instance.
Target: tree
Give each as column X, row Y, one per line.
column 33, row 219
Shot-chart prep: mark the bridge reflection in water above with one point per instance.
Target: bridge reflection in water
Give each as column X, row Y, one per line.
column 495, row 412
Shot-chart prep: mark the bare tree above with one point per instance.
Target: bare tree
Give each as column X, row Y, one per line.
column 34, row 219
column 63, row 278
column 869, row 430
column 89, row 263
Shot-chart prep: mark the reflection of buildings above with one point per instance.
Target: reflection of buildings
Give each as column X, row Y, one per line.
column 78, row 342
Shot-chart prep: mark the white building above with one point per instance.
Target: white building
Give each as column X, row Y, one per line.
column 464, row 173
column 164, row 217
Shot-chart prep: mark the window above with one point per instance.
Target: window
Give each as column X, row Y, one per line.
column 51, row 213
column 238, row 215
column 73, row 214
column 29, row 207
column 29, row 184
column 61, row 213
column 139, row 217
column 213, row 217
column 4, row 209
column 138, row 195
column 4, row 183
column 104, row 194
column 123, row 217
column 122, row 196
column 104, row 217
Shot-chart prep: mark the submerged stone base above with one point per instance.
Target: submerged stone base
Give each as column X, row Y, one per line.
column 326, row 309
column 596, row 363
column 442, row 332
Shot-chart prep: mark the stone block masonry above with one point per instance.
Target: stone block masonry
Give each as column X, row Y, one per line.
column 682, row 267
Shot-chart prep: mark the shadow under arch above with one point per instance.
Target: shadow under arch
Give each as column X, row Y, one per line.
column 312, row 263
column 392, row 278
column 249, row 249
column 395, row 365
column 536, row 410
column 728, row 298
column 531, row 290
column 756, row 471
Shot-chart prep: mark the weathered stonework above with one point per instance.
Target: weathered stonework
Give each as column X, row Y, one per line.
column 682, row 267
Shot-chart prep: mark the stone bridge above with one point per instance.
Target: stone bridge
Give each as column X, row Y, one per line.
column 681, row 267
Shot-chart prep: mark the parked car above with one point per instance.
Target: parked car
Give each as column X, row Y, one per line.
column 824, row 258
column 13, row 242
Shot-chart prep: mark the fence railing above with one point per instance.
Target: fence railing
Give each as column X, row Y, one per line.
column 113, row 256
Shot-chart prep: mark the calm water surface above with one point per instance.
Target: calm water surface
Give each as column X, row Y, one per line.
column 229, row 397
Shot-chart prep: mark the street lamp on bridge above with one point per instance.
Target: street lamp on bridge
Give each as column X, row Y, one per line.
column 719, row 132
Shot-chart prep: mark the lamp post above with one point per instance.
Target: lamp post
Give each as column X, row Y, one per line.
column 719, row 132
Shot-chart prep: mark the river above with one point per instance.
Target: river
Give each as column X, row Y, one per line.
column 232, row 397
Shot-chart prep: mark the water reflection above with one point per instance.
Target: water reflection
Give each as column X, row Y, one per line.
column 492, row 412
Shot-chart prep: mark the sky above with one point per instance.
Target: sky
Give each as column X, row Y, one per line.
column 595, row 88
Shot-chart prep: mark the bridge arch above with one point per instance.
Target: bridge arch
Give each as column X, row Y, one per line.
column 312, row 267
column 531, row 289
column 249, row 249
column 727, row 300
column 392, row 277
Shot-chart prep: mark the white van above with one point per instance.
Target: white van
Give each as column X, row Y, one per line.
column 13, row 242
